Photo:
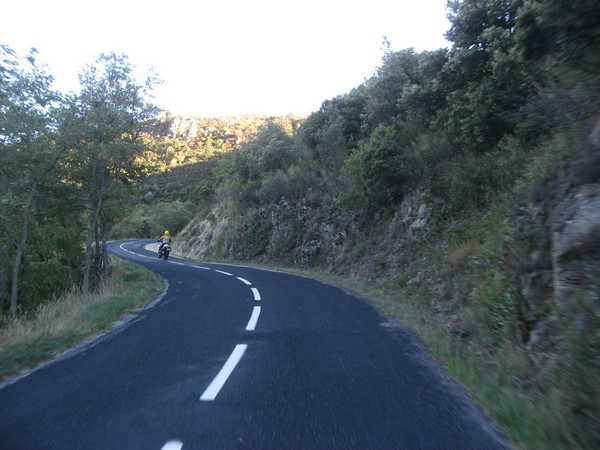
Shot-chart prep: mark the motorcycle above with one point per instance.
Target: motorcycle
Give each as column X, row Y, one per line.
column 164, row 250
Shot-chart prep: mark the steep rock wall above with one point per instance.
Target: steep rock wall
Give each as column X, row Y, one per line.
column 314, row 234
column 560, row 249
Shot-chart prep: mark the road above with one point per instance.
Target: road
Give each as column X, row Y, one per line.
column 237, row 357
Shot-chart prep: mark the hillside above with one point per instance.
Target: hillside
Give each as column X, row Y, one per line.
column 514, row 286
column 459, row 191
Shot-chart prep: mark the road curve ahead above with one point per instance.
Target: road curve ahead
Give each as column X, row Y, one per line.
column 236, row 357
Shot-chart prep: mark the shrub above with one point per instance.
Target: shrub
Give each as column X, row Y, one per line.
column 41, row 281
column 150, row 221
column 203, row 191
column 351, row 200
column 256, row 235
column 383, row 165
column 275, row 187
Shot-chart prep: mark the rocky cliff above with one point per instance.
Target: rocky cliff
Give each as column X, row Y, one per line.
column 318, row 235
column 559, row 231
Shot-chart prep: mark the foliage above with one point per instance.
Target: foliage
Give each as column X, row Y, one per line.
column 149, row 221
column 203, row 191
column 383, row 165
column 335, row 128
column 567, row 34
column 243, row 172
column 105, row 124
column 172, row 141
column 31, row 150
column 384, row 91
column 582, row 378
column 255, row 236
column 490, row 82
column 64, row 153
column 470, row 182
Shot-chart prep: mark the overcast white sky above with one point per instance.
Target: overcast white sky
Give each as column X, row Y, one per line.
column 223, row 57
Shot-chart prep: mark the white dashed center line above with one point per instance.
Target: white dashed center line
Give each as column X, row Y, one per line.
column 246, row 282
column 224, row 273
column 219, row 381
column 217, row 384
column 172, row 445
column 253, row 319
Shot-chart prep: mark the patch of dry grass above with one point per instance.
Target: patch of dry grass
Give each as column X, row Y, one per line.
column 461, row 254
column 65, row 313
column 71, row 319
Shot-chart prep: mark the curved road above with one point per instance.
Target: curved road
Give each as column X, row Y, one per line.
column 236, row 357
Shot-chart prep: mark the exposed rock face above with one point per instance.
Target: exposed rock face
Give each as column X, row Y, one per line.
column 414, row 213
column 184, row 127
column 575, row 242
column 313, row 233
column 199, row 238
column 561, row 233
column 308, row 252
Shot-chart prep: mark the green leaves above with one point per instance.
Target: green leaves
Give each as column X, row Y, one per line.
column 382, row 165
column 29, row 154
column 55, row 151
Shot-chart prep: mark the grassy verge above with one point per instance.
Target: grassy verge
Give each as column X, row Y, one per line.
column 71, row 320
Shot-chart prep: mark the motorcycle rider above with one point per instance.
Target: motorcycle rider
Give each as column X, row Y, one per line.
column 164, row 239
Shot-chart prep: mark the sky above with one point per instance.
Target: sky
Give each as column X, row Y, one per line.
column 227, row 57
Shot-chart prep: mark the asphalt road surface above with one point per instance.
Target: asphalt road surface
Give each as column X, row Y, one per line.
column 236, row 357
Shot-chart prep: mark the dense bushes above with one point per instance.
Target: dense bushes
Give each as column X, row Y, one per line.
column 149, row 221
column 383, row 165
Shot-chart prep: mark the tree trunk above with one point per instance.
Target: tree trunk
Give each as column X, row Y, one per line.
column 97, row 193
column 4, row 270
column 104, row 252
column 87, row 255
column 14, row 288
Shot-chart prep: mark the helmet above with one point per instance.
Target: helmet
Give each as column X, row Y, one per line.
column 167, row 232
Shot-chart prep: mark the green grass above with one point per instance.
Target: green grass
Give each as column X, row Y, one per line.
column 57, row 326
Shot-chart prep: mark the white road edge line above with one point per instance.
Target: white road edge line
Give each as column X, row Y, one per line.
column 253, row 319
column 178, row 263
column 256, row 294
column 244, row 281
column 200, row 267
column 224, row 273
column 215, row 386
column 129, row 251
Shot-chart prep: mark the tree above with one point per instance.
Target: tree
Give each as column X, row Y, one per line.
column 561, row 42
column 335, row 128
column 483, row 25
column 382, row 164
column 107, row 120
column 489, row 85
column 566, row 31
column 426, row 96
column 29, row 152
column 385, row 89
